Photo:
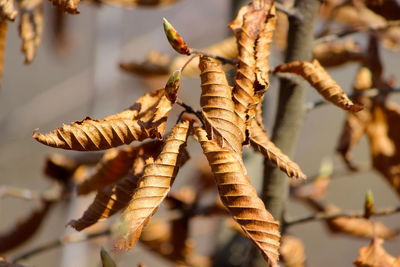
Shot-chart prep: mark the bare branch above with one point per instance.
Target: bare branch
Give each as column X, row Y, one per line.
column 328, row 216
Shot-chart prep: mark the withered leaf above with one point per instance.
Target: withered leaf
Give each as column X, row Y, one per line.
column 260, row 141
column 116, row 164
column 292, row 251
column 7, row 10
column 241, row 198
column 138, row 3
column 153, row 187
column 154, row 64
column 145, row 119
column 107, row 202
column 60, row 168
column 31, row 28
column 315, row 74
column 218, row 107
column 338, row 53
column 68, row 6
column 374, row 255
column 25, row 229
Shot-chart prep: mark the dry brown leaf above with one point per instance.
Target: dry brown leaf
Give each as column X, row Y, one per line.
column 241, row 198
column 260, row 141
column 374, row 255
column 315, row 74
column 384, row 138
column 153, row 187
column 25, row 229
column 60, row 168
column 338, row 53
column 145, row 119
column 3, row 39
column 292, row 251
column 68, row 6
column 116, row 164
column 7, row 10
column 247, row 27
column 107, row 202
column 218, row 108
column 155, row 64
column 389, row 9
column 31, row 27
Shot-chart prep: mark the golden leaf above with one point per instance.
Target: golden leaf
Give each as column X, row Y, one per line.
column 145, row 119
column 68, row 6
column 315, row 74
column 241, row 198
column 25, row 229
column 222, row 123
column 31, row 28
column 338, row 53
column 116, row 164
column 153, row 187
column 260, row 141
column 292, row 251
column 7, row 10
column 374, row 255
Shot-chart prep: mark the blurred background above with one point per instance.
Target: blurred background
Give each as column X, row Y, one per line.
column 80, row 77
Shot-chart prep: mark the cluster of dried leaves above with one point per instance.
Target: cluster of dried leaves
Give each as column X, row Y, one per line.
column 136, row 179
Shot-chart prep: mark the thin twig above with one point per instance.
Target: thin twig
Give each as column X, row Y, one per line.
column 329, row 216
column 223, row 60
column 368, row 93
column 17, row 192
column 345, row 33
column 74, row 238
column 189, row 109
column 187, row 62
column 291, row 12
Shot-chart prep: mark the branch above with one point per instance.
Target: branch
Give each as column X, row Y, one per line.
column 73, row 238
column 329, row 216
column 368, row 93
column 22, row 193
column 223, row 60
column 345, row 33
column 290, row 12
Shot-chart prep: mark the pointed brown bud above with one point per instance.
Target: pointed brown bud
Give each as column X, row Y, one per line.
column 174, row 38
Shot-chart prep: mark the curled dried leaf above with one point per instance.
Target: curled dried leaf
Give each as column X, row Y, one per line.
column 260, row 141
column 292, row 251
column 145, row 119
column 31, row 28
column 175, row 39
column 107, row 202
column 138, row 3
column 116, row 164
column 155, row 64
column 68, row 6
column 339, row 53
column 25, row 229
column 60, row 168
column 222, row 123
column 241, row 198
column 315, row 74
column 7, row 10
column 153, row 186
column 374, row 255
